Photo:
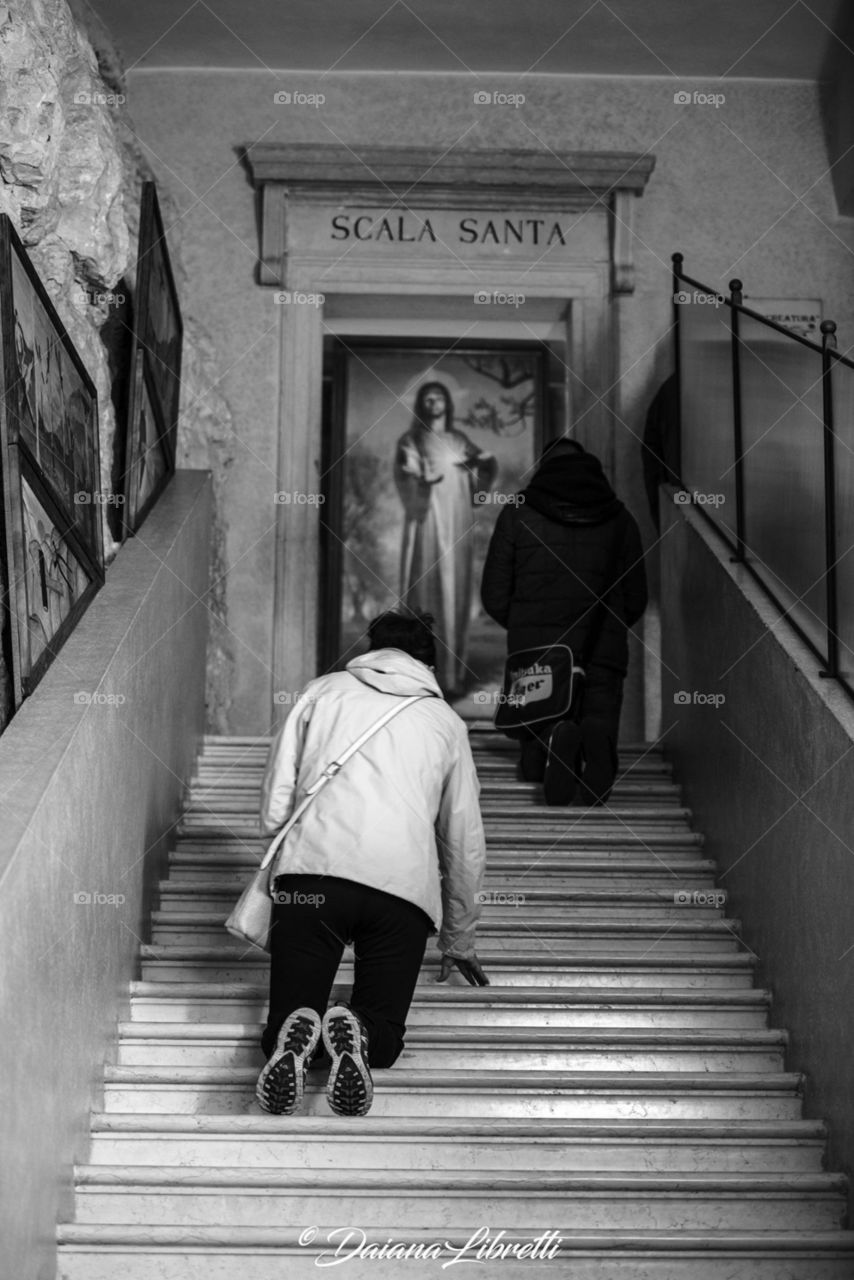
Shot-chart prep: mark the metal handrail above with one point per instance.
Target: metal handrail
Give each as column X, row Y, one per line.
column 830, row 359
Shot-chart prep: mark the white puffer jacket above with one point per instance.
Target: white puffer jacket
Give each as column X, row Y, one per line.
column 403, row 813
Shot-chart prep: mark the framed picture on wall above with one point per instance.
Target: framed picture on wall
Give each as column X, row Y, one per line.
column 155, row 361
column 426, row 445
column 148, row 461
column 53, row 546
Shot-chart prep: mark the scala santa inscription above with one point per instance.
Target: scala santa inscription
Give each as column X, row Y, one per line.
column 407, row 228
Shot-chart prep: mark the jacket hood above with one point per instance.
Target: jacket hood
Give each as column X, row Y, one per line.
column 572, row 488
column 393, row 671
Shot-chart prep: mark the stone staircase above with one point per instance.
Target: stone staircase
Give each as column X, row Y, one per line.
column 615, row 1102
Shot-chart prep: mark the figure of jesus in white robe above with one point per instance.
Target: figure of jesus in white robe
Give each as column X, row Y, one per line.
column 439, row 472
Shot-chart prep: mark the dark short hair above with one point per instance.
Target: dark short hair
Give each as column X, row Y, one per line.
column 409, row 630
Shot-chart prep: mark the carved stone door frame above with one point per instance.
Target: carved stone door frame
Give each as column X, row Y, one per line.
column 302, row 186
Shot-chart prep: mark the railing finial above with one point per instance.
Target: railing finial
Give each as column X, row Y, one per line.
column 828, row 333
column 735, row 288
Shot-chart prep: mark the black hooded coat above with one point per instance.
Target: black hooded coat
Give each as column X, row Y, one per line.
column 551, row 557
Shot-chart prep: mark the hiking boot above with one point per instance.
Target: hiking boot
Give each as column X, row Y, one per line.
column 281, row 1083
column 349, row 1089
column 561, row 778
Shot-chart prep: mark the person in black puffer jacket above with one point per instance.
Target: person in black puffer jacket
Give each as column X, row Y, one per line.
column 549, row 561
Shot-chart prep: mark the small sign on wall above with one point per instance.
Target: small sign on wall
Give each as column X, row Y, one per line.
column 801, row 315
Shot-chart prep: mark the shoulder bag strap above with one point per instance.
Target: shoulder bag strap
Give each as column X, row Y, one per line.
column 333, row 768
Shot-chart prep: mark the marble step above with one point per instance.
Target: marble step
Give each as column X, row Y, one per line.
column 373, row 1142
column 572, row 873
column 496, row 784
column 475, row 1048
column 603, row 904
column 703, row 1095
column 96, row 1252
column 242, row 808
column 444, row 1199
column 569, row 830
column 231, row 850
column 448, row 1006
column 232, row 962
column 520, row 932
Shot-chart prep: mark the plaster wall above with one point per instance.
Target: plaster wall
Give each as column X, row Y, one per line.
column 742, row 189
column 89, row 793
column 767, row 773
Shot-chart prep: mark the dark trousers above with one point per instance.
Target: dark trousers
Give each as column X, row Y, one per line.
column 313, row 919
column 601, row 702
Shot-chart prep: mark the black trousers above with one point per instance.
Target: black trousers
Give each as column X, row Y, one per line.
column 602, row 701
column 313, row 919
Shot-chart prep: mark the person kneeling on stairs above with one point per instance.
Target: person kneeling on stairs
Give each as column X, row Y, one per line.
column 391, row 850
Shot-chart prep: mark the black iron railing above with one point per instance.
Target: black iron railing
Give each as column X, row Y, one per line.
column 767, row 452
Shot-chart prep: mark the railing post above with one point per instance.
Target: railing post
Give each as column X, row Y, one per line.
column 828, row 340
column 677, row 260
column 738, row 440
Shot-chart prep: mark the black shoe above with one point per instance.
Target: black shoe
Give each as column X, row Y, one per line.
column 532, row 760
column 600, row 763
column 561, row 778
column 280, row 1085
column 349, row 1089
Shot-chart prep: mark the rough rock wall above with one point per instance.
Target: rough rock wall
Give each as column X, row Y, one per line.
column 70, row 179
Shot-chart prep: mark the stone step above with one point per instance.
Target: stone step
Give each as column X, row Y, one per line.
column 521, row 932
column 724, row 1096
column 445, row 1199
column 497, row 784
column 649, row 816
column 373, row 1142
column 539, row 860
column 96, row 1252
column 475, row 1048
column 232, row 962
column 449, row 1006
column 565, row 874
column 570, row 832
column 604, row 904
